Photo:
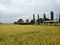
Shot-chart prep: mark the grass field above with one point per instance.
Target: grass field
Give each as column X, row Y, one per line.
column 29, row 35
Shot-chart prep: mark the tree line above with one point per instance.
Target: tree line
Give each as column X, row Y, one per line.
column 41, row 20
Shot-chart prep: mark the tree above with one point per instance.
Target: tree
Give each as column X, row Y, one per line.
column 40, row 20
column 32, row 22
column 27, row 20
column 52, row 14
column 0, row 23
column 15, row 22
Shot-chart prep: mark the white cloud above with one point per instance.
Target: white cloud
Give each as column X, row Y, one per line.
column 25, row 8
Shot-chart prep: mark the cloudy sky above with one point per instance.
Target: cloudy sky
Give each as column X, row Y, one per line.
column 12, row 10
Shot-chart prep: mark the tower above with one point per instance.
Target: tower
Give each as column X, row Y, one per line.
column 34, row 18
column 59, row 17
column 52, row 15
column 44, row 16
column 38, row 18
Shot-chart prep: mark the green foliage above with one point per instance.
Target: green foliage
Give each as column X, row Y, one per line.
column 41, row 20
column 27, row 20
column 32, row 22
column 15, row 22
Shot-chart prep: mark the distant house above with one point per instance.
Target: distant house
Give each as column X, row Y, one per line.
column 21, row 22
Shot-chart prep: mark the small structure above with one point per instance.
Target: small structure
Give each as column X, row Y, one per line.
column 21, row 22
column 52, row 19
column 51, row 22
column 39, row 20
column 59, row 17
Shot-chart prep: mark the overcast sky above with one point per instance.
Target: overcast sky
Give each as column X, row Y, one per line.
column 12, row 10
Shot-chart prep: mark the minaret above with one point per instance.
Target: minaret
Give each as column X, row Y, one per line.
column 34, row 18
column 59, row 17
column 52, row 15
column 44, row 16
column 38, row 18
